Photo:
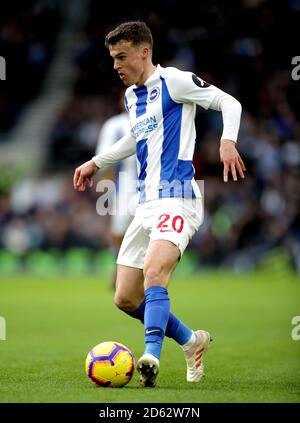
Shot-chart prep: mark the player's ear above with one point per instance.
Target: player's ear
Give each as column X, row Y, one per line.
column 146, row 52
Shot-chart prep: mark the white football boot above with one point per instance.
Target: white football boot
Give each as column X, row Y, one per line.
column 148, row 368
column 194, row 356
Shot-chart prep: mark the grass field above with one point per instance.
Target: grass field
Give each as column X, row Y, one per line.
column 51, row 324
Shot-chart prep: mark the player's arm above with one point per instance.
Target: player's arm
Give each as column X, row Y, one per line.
column 190, row 88
column 108, row 135
column 83, row 174
column 231, row 112
column 125, row 147
column 122, row 149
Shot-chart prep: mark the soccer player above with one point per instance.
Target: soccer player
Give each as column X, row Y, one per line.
column 161, row 103
column 126, row 202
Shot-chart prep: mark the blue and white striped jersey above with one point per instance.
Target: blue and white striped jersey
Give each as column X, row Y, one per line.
column 162, row 113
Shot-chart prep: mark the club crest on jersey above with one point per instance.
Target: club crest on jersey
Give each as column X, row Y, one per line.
column 154, row 94
column 198, row 81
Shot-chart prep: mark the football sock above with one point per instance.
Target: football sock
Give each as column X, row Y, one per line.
column 178, row 331
column 138, row 313
column 175, row 329
column 156, row 317
column 187, row 345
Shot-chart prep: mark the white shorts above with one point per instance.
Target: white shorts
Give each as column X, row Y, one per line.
column 171, row 219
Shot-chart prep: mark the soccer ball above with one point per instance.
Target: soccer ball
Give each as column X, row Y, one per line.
column 110, row 364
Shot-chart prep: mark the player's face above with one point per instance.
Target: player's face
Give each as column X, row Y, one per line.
column 129, row 61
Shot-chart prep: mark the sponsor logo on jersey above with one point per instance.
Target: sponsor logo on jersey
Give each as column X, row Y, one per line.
column 154, row 94
column 145, row 126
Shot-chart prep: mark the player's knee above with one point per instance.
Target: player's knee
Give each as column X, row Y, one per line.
column 125, row 304
column 153, row 274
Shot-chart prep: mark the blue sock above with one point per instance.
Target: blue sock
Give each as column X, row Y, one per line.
column 138, row 313
column 175, row 329
column 156, row 317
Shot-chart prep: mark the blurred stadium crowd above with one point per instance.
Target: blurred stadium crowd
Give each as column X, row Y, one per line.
column 239, row 47
column 27, row 36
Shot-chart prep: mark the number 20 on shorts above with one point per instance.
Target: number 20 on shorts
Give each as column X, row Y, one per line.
column 170, row 224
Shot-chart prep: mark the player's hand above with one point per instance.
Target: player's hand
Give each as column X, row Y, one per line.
column 231, row 160
column 83, row 174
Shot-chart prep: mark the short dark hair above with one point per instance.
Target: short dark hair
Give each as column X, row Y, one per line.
column 136, row 31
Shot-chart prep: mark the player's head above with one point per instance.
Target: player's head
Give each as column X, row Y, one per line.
column 130, row 45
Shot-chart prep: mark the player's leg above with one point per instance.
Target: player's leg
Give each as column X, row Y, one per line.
column 175, row 329
column 162, row 257
column 116, row 244
column 158, row 321
column 129, row 297
column 119, row 225
column 132, row 256
column 160, row 261
column 130, row 280
column 130, row 290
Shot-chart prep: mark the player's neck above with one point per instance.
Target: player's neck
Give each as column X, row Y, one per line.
column 148, row 71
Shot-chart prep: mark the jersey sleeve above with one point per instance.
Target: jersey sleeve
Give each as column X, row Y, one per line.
column 186, row 87
column 125, row 147
column 231, row 113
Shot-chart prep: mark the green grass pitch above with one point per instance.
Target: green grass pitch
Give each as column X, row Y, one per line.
column 51, row 324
